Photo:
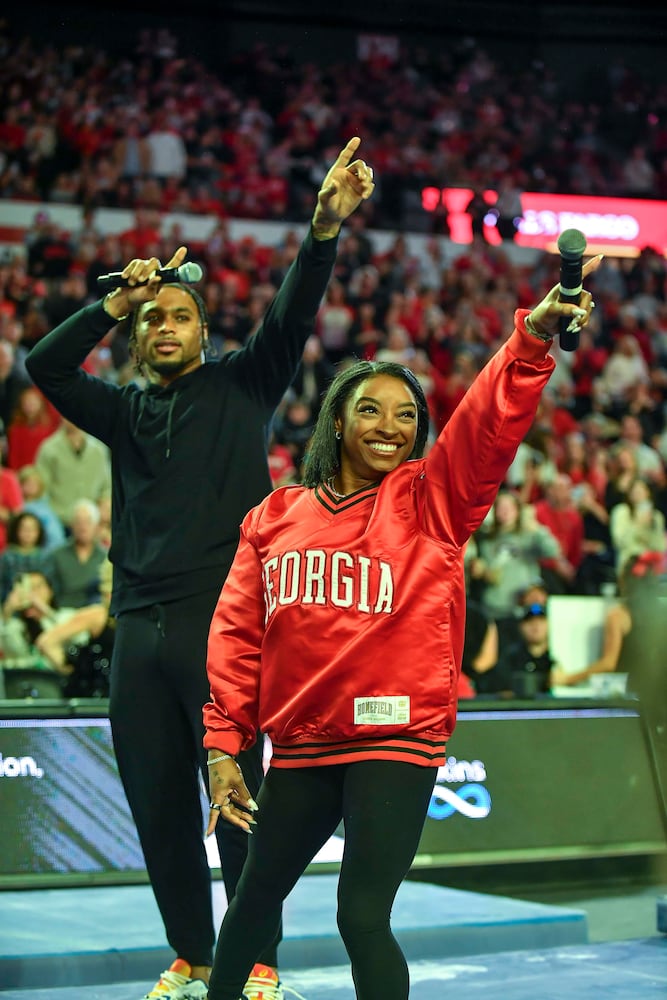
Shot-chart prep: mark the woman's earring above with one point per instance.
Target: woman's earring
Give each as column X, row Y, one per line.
column 338, row 435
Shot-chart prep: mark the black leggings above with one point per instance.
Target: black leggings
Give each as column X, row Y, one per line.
column 383, row 805
column 158, row 688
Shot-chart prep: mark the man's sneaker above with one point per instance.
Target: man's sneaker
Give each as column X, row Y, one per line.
column 176, row 983
column 263, row 984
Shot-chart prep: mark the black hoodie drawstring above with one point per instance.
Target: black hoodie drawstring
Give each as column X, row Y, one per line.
column 170, row 416
column 169, row 422
column 142, row 405
column 157, row 615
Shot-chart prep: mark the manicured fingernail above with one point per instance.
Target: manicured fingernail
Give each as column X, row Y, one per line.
column 580, row 312
column 573, row 327
column 253, row 805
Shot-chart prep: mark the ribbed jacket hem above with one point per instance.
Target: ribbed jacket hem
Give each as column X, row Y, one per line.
column 422, row 751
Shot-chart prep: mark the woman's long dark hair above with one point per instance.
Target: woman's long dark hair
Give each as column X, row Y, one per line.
column 323, row 456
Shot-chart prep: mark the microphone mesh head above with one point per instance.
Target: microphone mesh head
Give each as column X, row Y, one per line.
column 571, row 244
column 190, row 272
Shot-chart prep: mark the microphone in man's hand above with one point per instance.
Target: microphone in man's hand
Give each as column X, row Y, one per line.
column 571, row 247
column 187, row 274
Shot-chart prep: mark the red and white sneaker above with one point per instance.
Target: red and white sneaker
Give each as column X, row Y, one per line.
column 176, row 983
column 263, row 984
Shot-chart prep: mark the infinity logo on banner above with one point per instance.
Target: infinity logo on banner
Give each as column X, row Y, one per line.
column 471, row 800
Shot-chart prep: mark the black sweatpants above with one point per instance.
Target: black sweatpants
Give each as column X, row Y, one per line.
column 383, row 805
column 158, row 688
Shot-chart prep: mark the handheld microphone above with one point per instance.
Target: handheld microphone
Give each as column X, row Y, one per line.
column 187, row 274
column 571, row 247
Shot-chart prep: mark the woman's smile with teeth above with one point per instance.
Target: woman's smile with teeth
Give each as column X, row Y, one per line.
column 381, row 446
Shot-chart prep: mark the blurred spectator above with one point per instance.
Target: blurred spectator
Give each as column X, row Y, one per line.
column 26, row 551
column 12, row 383
column 398, row 346
column 50, row 252
column 534, row 466
column 313, row 375
column 645, row 405
column 623, row 469
column 554, row 418
column 131, row 153
column 366, row 334
column 435, row 388
column 80, row 646
column 73, row 465
column 511, row 545
column 597, row 568
column 75, row 566
column 334, row 321
column 36, row 502
column 66, row 297
column 282, row 469
column 465, row 369
column 480, row 649
column 107, row 260
column 584, row 463
column 638, row 174
column 29, row 609
column 478, row 208
column 31, row 423
column 11, row 332
column 526, row 668
column 557, row 512
column 636, row 526
column 11, row 501
column 229, row 320
column 634, row 630
column 622, row 319
column 508, row 208
column 294, row 428
column 588, row 363
column 649, row 463
column 143, row 238
column 624, row 367
column 167, row 156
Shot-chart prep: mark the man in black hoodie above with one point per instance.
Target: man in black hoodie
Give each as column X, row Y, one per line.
column 189, row 458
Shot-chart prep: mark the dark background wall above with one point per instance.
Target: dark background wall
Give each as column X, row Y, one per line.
column 581, row 37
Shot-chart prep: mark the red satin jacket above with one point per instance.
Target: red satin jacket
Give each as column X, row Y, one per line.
column 339, row 631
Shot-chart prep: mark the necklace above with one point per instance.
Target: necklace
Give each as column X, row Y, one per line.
column 330, row 484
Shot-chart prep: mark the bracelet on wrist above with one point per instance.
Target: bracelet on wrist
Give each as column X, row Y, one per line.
column 116, row 319
column 546, row 338
column 216, row 760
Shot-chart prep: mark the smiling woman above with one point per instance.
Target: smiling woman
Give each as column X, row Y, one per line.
column 378, row 429
column 374, row 417
column 339, row 633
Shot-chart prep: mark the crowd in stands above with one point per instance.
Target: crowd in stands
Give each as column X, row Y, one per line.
column 587, row 493
column 156, row 128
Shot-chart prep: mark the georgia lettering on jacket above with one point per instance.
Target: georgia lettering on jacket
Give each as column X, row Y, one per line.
column 340, row 579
